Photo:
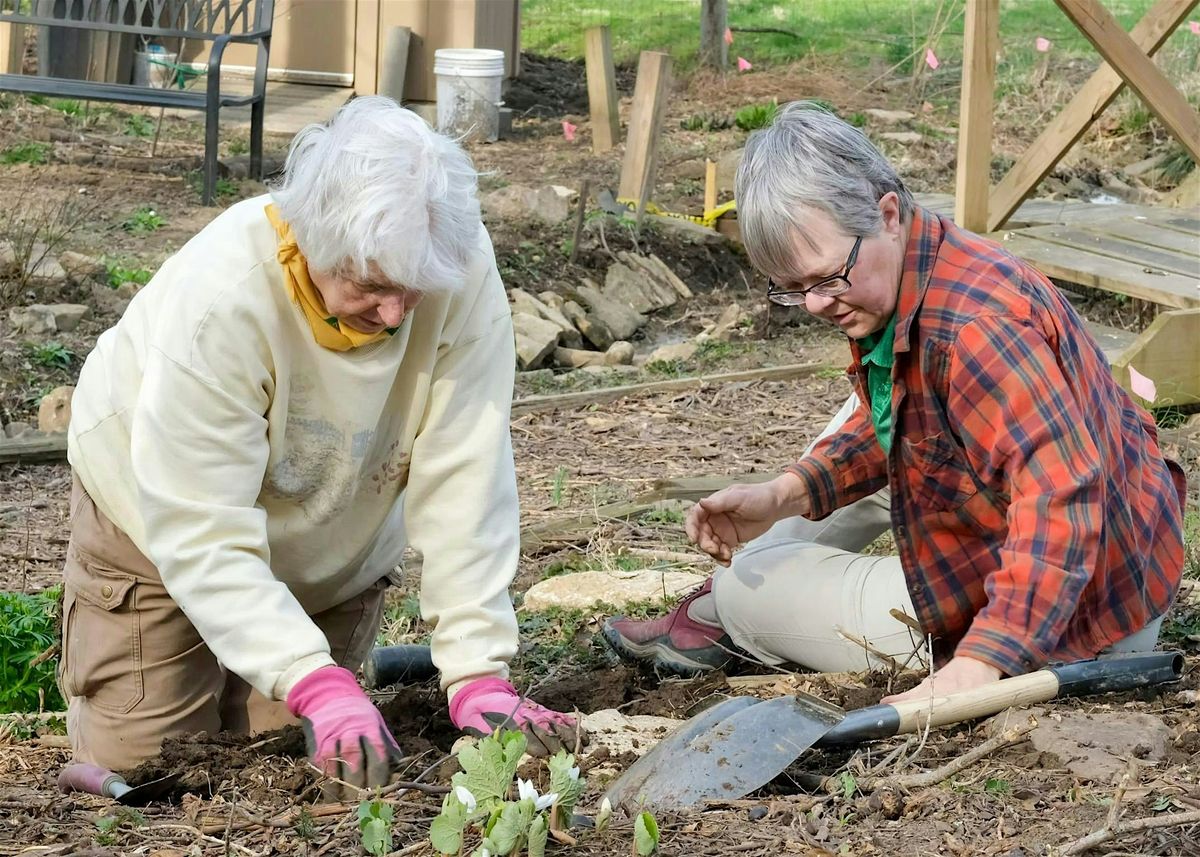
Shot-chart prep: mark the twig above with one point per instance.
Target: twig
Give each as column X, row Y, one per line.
column 579, row 212
column 44, row 656
column 775, row 30
column 1086, row 843
column 1114, row 810
column 859, row 641
column 604, row 241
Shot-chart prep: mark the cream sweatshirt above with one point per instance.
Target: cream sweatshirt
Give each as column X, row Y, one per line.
column 269, row 478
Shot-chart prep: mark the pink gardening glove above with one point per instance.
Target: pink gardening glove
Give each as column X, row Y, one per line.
column 344, row 731
column 487, row 703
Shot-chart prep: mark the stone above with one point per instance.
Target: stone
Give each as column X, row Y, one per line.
column 552, row 299
column 626, row 733
column 622, row 320
column 678, row 229
column 889, row 117
column 127, row 290
column 17, row 429
column 68, row 316
column 574, row 358
column 1093, row 745
column 652, row 262
column 107, row 300
column 585, row 589
column 523, row 301
column 681, row 351
column 727, row 167
column 620, row 353
column 1186, row 194
column 80, row 267
column 610, row 368
column 54, row 412
column 593, row 329
column 631, row 285
column 667, row 288
column 516, row 202
column 8, row 260
column 535, row 339
column 35, row 320
column 905, row 137
column 727, row 322
column 44, row 270
column 536, row 376
column 1144, row 166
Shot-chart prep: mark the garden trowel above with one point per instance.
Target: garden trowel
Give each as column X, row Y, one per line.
column 83, row 777
column 743, row 743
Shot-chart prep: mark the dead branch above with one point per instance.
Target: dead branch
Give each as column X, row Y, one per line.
column 1155, row 822
column 776, row 30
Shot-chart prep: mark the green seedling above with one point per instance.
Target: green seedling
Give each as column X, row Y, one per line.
column 52, row 355
column 25, row 153
column 145, row 219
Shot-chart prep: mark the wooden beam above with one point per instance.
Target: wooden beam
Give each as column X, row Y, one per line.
column 710, row 185
column 1168, row 353
column 1143, row 76
column 1056, row 139
column 534, row 404
column 602, row 89
column 981, row 37
column 645, row 123
column 38, row 448
column 366, row 47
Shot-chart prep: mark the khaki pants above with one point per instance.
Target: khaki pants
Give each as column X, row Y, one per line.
column 134, row 671
column 799, row 592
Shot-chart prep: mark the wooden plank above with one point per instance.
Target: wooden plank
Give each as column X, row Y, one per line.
column 710, row 185
column 1056, row 139
column 1138, row 70
column 645, row 123
column 981, row 37
column 534, row 404
column 43, row 447
column 1168, row 353
column 1113, row 341
column 1189, row 225
column 602, row 89
column 1102, row 272
column 1145, row 232
column 366, row 46
column 1154, row 259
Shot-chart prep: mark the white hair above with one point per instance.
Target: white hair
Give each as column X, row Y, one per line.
column 377, row 191
column 809, row 158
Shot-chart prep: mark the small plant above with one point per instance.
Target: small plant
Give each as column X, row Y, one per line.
column 27, row 629
column 664, row 515
column 997, row 787
column 668, row 368
column 67, row 107
column 375, row 826
column 645, row 835
column 238, row 146
column 755, row 116
column 32, row 152
column 108, row 825
column 304, row 828
column 558, row 489
column 37, row 99
column 848, row 783
column 119, row 272
column 222, row 188
column 145, row 219
column 706, row 122
column 51, row 355
column 139, row 125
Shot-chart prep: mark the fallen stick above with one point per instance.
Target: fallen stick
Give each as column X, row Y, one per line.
column 1155, row 822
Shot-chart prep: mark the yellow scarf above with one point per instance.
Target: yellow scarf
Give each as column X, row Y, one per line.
column 326, row 329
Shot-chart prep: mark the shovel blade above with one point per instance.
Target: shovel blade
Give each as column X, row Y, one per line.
column 740, row 753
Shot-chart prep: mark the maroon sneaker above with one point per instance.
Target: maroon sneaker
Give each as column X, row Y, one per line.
column 675, row 643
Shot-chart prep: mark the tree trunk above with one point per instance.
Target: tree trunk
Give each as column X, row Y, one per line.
column 714, row 53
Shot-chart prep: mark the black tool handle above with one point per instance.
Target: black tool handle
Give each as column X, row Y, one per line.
column 407, row 664
column 1105, row 674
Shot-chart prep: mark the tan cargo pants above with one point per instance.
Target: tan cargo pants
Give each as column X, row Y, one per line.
column 133, row 669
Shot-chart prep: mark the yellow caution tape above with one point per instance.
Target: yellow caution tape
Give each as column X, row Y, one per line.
column 709, row 218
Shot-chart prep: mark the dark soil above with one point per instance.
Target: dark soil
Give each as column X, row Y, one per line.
column 549, row 87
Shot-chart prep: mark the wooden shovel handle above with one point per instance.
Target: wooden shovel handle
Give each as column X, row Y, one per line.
column 981, row 701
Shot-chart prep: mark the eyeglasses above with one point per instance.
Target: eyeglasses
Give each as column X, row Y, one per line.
column 829, row 287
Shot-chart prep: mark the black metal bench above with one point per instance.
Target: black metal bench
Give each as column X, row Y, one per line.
column 218, row 22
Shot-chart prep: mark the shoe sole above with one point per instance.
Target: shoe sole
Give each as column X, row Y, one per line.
column 665, row 657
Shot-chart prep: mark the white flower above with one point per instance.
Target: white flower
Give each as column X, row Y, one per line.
column 465, row 798
column 604, row 816
column 526, row 791
column 574, row 774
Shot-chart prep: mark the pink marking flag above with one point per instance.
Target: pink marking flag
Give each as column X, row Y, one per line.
column 569, row 131
column 1142, row 385
column 1194, row 26
column 931, row 59
column 744, row 64
column 1043, row 44
column 728, row 36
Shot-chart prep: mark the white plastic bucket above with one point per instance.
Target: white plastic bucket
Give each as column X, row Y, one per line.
column 154, row 66
column 468, row 92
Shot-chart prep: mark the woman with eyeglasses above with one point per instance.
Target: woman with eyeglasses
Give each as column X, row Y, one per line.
column 1034, row 516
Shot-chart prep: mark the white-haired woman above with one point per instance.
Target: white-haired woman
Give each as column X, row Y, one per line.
column 319, row 378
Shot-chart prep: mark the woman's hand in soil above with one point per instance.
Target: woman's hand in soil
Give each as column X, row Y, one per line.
column 484, row 705
column 722, row 522
column 959, row 674
column 344, row 731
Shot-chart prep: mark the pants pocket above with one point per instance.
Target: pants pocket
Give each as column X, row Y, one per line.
column 102, row 639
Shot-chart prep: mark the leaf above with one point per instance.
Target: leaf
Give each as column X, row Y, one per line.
column 997, row 787
column 446, row 831
column 848, row 783
column 645, row 834
column 375, row 826
column 566, row 783
column 539, row 831
column 488, row 767
column 511, row 827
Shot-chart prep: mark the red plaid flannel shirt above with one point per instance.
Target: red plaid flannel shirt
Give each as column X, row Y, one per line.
column 1035, row 516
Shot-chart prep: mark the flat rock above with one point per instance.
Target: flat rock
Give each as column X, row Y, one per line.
column 905, row 137
column 17, row 429
column 667, row 288
column 622, row 320
column 68, row 316
column 730, row 319
column 591, row 326
column 1096, row 746
column 586, row 589
column 552, row 299
column 45, row 270
column 8, row 259
column 620, row 353
column 35, row 320
column 575, row 358
column 626, row 733
column 535, row 337
column 80, row 267
column 678, row 229
column 889, row 116
column 517, row 201
column 523, row 301
column 54, row 412
column 631, row 285
column 682, row 351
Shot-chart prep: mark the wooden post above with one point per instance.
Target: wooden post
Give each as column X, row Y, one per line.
column 1142, row 75
column 981, row 35
column 395, row 63
column 645, row 122
column 12, row 47
column 1149, row 34
column 714, row 53
column 710, row 185
column 602, row 89
column 366, row 47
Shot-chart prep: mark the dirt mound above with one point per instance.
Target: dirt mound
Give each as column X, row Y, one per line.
column 549, row 87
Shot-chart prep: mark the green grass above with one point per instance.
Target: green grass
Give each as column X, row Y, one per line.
column 121, row 271
column 139, row 125
column 862, row 31
column 67, row 106
column 145, row 219
column 223, row 188
column 25, row 153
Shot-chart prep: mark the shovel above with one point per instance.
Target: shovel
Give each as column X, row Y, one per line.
column 93, row 779
column 742, row 743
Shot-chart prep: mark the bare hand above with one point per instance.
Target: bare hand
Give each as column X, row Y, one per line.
column 961, row 673
column 723, row 521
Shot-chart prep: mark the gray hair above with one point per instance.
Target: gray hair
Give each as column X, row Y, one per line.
column 809, row 158
column 376, row 186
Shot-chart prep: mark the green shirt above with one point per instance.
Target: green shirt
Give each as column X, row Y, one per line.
column 877, row 360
